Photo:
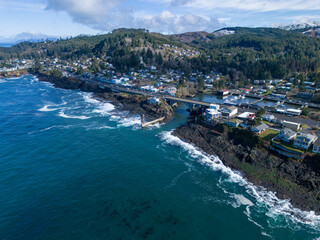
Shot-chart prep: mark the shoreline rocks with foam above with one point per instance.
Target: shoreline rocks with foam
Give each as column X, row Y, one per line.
column 135, row 104
column 290, row 179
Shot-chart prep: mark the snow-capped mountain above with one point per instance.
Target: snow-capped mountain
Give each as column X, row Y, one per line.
column 297, row 26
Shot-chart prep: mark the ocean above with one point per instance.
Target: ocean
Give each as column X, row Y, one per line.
column 72, row 167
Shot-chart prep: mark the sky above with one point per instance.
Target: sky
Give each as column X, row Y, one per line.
column 64, row 18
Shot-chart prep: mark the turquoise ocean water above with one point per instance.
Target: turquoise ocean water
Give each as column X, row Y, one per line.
column 75, row 168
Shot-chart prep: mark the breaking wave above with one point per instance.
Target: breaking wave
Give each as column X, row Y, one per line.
column 273, row 207
column 62, row 114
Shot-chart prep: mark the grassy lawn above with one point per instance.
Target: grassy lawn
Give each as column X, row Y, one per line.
column 288, row 146
column 269, row 134
column 304, row 126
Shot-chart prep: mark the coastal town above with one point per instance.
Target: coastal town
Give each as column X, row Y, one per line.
column 278, row 110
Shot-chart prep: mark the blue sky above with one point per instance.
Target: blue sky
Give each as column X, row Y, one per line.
column 73, row 17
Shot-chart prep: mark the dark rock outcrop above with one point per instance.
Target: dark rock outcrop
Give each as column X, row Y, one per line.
column 135, row 104
column 289, row 178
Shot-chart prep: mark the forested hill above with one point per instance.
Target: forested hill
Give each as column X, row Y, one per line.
column 240, row 53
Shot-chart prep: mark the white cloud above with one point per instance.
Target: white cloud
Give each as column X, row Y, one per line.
column 107, row 15
column 167, row 22
column 95, row 13
column 251, row 5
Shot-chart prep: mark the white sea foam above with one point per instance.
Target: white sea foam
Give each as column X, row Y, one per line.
column 88, row 97
column 104, row 109
column 3, row 81
column 132, row 121
column 46, row 108
column 154, row 126
column 102, row 127
column 274, row 207
column 243, row 200
column 62, row 114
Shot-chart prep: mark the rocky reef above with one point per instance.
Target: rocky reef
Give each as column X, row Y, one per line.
column 247, row 153
column 135, row 104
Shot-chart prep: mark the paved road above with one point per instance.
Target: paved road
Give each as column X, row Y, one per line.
column 283, row 117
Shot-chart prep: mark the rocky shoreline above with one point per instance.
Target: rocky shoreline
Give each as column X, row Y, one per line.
column 238, row 149
column 12, row 74
column 135, row 104
column 243, row 151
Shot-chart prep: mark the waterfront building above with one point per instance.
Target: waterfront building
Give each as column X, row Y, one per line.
column 223, row 92
column 214, row 106
column 229, row 111
column 212, row 114
column 304, row 141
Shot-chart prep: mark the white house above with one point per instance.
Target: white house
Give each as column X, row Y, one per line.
column 212, row 114
column 246, row 116
column 154, row 100
column 229, row 111
column 294, row 111
column 214, row 106
column 287, row 134
column 304, row 141
column 316, row 146
column 267, row 117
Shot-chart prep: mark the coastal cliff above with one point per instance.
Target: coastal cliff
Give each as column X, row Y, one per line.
column 247, row 153
column 135, row 104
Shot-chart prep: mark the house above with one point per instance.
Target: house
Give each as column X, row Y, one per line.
column 223, row 92
column 304, row 141
column 233, row 122
column 305, row 95
column 211, row 114
column 260, row 128
column 316, row 146
column 214, row 106
column 287, row 135
column 246, row 116
column 268, row 117
column 154, row 100
column 292, row 125
column 293, row 111
column 229, row 111
column 245, row 90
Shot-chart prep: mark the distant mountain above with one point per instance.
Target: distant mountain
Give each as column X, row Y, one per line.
column 6, row 44
column 26, row 36
column 190, row 37
column 297, row 26
column 194, row 37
